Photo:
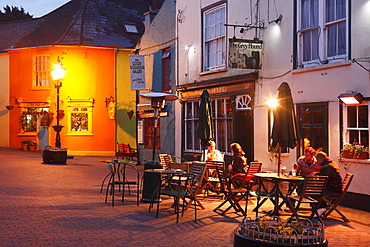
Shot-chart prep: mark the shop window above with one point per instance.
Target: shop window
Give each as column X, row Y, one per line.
column 214, row 37
column 323, row 35
column 41, row 71
column 149, row 134
column 80, row 116
column 222, row 122
column 357, row 125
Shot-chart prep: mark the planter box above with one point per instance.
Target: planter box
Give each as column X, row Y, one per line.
column 241, row 241
column 349, row 155
column 54, row 156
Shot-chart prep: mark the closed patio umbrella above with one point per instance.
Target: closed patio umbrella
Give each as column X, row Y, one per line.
column 285, row 129
column 205, row 126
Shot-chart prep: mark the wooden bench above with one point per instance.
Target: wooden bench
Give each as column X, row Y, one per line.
column 126, row 151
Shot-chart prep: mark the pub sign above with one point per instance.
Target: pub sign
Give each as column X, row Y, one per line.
column 245, row 54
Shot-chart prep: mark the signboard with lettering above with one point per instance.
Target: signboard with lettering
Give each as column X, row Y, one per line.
column 245, row 54
column 137, row 72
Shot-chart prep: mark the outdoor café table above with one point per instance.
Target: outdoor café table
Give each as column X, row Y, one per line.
column 161, row 173
column 275, row 193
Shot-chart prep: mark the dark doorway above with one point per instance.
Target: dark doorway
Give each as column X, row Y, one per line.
column 313, row 125
column 243, row 132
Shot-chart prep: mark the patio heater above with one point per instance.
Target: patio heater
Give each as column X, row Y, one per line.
column 58, row 75
column 152, row 181
column 157, row 102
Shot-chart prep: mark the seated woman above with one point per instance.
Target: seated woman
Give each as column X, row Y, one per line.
column 239, row 162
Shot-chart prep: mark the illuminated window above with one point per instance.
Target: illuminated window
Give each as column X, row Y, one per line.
column 357, row 124
column 80, row 116
column 41, row 71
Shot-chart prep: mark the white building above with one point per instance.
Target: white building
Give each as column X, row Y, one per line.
column 321, row 48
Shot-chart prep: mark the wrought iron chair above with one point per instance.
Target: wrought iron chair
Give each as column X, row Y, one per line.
column 119, row 177
column 178, row 189
column 232, row 195
column 333, row 202
column 312, row 194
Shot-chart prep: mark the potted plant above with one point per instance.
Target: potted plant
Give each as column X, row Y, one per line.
column 25, row 144
column 32, row 145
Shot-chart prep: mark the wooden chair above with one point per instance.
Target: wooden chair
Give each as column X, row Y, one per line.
column 165, row 160
column 232, row 195
column 246, row 180
column 211, row 180
column 333, row 202
column 198, row 169
column 312, row 194
column 119, row 177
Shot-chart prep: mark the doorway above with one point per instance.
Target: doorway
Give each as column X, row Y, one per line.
column 243, row 132
column 313, row 125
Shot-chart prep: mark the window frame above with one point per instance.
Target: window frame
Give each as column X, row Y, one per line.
column 41, row 69
column 323, row 39
column 166, row 70
column 221, row 38
column 221, row 122
column 346, row 129
column 148, row 137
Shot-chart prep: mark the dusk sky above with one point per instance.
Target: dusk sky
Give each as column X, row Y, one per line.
column 36, row 8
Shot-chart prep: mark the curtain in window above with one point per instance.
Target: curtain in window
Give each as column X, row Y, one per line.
column 309, row 19
column 214, row 37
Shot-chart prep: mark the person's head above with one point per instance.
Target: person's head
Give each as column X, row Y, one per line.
column 236, row 148
column 309, row 153
column 211, row 145
column 321, row 157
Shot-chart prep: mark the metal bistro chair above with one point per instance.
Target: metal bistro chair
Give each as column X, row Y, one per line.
column 312, row 194
column 333, row 202
column 123, row 180
column 178, row 189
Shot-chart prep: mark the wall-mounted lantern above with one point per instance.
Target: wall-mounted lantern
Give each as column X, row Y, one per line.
column 110, row 103
column 351, row 98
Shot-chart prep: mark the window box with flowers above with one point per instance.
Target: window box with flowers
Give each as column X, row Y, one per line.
column 355, row 151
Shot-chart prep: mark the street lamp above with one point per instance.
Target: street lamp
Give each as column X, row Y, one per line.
column 58, row 75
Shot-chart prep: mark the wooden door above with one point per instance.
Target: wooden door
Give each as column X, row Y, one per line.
column 313, row 125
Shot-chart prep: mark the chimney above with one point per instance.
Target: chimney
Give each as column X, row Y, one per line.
column 150, row 15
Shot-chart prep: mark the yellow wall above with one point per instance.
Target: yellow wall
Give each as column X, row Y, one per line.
column 89, row 74
column 126, row 100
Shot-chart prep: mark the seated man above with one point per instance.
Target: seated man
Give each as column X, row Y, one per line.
column 329, row 168
column 306, row 165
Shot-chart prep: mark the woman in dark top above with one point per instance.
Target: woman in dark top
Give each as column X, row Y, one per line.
column 239, row 161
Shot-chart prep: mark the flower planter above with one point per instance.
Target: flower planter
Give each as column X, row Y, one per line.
column 362, row 156
column 348, row 155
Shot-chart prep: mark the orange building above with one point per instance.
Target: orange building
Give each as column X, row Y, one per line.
column 93, row 41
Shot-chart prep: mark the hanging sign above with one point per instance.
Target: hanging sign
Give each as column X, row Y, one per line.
column 245, row 54
column 137, row 72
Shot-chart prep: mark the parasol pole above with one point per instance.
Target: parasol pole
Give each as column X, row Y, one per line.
column 279, row 158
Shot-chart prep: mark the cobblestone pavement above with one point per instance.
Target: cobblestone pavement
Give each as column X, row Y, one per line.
column 61, row 205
